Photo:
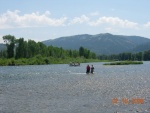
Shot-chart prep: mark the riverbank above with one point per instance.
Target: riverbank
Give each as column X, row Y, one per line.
column 38, row 60
column 124, row 63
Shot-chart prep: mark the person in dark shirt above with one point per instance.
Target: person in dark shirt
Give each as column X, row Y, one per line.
column 92, row 69
column 88, row 69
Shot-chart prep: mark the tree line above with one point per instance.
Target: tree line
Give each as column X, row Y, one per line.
column 140, row 56
column 19, row 48
column 20, row 52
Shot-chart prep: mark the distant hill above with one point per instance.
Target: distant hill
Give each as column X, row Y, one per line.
column 100, row 44
column 142, row 47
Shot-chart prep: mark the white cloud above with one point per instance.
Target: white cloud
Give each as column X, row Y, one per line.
column 13, row 19
column 80, row 20
column 115, row 21
column 147, row 24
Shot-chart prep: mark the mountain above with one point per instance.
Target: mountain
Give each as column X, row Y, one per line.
column 142, row 47
column 105, row 43
column 100, row 44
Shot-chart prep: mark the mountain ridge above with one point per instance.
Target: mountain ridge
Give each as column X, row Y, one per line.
column 104, row 43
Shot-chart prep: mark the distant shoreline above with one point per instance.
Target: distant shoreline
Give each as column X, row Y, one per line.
column 44, row 61
column 124, row 63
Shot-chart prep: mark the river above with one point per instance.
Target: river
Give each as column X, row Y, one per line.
column 64, row 89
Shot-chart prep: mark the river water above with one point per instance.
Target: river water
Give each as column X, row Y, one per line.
column 64, row 89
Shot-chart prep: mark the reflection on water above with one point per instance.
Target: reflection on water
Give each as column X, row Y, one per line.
column 65, row 89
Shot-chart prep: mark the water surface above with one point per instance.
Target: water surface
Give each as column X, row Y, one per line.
column 64, row 89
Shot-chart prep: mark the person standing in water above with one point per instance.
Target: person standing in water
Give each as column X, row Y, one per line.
column 92, row 69
column 88, row 69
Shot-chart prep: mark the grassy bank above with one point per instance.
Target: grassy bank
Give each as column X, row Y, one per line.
column 124, row 63
column 38, row 60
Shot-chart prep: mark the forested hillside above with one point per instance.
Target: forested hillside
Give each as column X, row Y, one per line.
column 142, row 47
column 100, row 44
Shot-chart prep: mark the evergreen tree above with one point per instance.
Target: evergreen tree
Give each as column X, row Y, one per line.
column 81, row 51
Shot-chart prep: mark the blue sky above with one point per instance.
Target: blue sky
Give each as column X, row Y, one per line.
column 41, row 20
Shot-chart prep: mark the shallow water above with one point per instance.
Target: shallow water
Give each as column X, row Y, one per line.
column 65, row 89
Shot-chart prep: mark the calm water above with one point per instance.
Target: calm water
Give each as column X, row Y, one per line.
column 65, row 89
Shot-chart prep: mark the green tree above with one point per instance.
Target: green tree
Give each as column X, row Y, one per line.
column 146, row 55
column 70, row 53
column 139, row 56
column 20, row 49
column 81, row 51
column 32, row 48
column 86, row 53
column 50, row 51
column 75, row 53
column 10, row 43
column 41, row 49
column 93, row 55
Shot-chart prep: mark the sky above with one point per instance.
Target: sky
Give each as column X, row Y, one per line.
column 42, row 20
